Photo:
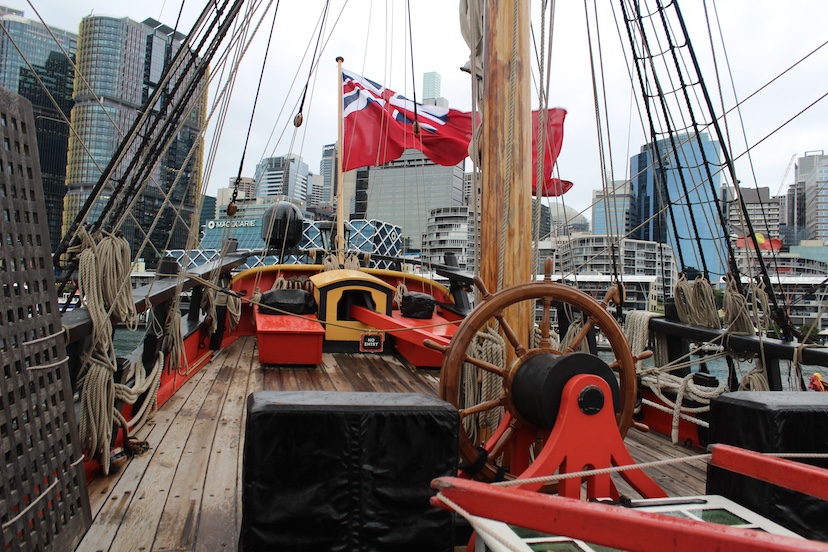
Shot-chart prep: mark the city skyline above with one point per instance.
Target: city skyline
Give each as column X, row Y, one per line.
column 753, row 64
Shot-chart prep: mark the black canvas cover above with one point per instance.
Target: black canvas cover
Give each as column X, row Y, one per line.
column 346, row 471
column 417, row 305
column 772, row 421
column 296, row 301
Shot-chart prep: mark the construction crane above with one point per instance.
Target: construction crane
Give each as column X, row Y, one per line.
column 785, row 176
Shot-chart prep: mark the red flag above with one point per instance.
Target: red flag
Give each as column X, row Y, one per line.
column 552, row 147
column 378, row 126
column 554, row 187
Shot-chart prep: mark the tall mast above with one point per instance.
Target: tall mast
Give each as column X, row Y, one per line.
column 506, row 208
column 340, row 207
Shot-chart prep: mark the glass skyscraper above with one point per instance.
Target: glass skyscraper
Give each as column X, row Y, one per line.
column 47, row 57
column 615, row 215
column 676, row 203
column 123, row 62
column 286, row 175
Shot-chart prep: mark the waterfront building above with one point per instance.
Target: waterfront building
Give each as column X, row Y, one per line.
column 676, row 192
column 286, row 175
column 582, row 254
column 373, row 236
column 47, row 61
column 812, row 173
column 123, row 62
column 450, row 230
column 615, row 214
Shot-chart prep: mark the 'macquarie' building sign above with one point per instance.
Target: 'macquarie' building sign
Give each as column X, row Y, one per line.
column 231, row 223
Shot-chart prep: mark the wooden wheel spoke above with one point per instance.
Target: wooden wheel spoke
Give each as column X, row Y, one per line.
column 510, row 335
column 483, row 365
column 505, row 438
column 482, row 407
column 546, row 323
column 616, row 364
column 582, row 333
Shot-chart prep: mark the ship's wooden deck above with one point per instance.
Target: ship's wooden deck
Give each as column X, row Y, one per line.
column 185, row 494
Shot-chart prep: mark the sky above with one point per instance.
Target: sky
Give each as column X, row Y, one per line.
column 761, row 39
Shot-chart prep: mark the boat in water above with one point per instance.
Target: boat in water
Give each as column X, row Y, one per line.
column 310, row 405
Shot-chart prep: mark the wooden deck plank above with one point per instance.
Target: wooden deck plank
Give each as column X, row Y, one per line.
column 379, row 384
column 381, row 369
column 335, row 375
column 101, row 487
column 124, row 489
column 219, row 516
column 309, row 378
column 140, row 523
column 354, row 374
column 179, row 519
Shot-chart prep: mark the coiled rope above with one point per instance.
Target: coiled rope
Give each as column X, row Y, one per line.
column 695, row 304
column 103, row 282
column 143, row 384
column 736, row 315
column 351, row 261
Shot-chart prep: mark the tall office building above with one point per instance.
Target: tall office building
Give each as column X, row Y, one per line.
column 327, row 168
column 286, row 175
column 123, row 62
column 762, row 210
column 45, row 56
column 812, row 175
column 795, row 211
column 431, row 90
column 246, row 186
column 676, row 202
column 317, row 185
column 404, row 191
column 616, row 214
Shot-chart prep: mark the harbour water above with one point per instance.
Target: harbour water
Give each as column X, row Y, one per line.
column 126, row 341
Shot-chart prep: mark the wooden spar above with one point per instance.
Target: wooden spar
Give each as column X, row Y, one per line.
column 340, row 207
column 506, row 90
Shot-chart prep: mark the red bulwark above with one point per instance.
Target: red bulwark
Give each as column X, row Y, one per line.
column 285, row 339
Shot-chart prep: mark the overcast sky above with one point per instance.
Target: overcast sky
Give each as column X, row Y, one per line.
column 762, row 40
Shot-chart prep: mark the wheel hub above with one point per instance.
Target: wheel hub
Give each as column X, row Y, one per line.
column 539, row 381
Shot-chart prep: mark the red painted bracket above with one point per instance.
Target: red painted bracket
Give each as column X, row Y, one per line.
column 581, row 441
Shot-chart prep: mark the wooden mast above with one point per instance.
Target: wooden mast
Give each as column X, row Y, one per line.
column 507, row 90
column 340, row 207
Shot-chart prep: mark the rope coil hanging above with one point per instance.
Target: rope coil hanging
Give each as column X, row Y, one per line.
column 103, row 282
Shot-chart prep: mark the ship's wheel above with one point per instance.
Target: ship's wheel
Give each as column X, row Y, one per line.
column 532, row 383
